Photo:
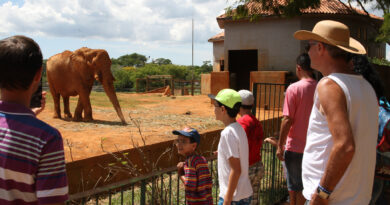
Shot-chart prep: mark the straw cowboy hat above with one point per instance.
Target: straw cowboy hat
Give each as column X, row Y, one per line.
column 332, row 33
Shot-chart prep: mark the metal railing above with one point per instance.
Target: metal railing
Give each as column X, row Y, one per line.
column 268, row 105
column 165, row 187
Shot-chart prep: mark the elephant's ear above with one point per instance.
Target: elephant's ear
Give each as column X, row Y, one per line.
column 95, row 65
column 102, row 64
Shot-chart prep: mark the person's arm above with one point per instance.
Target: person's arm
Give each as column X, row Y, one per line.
column 334, row 105
column 284, row 129
column 180, row 171
column 52, row 186
column 38, row 110
column 234, row 176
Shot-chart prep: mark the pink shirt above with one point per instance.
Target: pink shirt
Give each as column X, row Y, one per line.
column 298, row 103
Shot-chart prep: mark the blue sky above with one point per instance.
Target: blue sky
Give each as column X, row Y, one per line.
column 154, row 28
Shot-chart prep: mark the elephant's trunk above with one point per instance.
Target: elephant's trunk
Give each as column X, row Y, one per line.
column 110, row 91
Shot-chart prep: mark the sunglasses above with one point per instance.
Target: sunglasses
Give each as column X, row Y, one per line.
column 309, row 45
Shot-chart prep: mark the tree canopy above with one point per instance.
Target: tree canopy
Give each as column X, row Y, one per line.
column 162, row 61
column 134, row 59
column 289, row 8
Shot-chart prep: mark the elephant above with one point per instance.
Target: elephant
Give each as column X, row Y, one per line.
column 73, row 73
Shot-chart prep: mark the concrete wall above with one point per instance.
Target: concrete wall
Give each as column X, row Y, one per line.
column 218, row 52
column 100, row 171
column 271, row 96
column 218, row 81
column 272, row 37
column 278, row 77
column 205, row 84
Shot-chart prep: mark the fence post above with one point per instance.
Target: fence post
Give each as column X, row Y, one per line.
column 192, row 87
column 147, row 84
column 137, row 85
column 255, row 103
column 143, row 192
column 173, row 86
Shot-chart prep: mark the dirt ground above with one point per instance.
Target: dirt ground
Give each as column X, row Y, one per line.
column 157, row 116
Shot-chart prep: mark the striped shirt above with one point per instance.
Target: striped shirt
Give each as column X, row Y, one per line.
column 198, row 183
column 32, row 163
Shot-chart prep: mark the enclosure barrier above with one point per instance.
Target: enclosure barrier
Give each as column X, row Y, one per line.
column 177, row 86
column 164, row 186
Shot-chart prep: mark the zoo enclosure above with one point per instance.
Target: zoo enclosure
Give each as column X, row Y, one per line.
column 177, row 86
column 164, row 186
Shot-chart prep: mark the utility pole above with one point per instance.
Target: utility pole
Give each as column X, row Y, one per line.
column 192, row 64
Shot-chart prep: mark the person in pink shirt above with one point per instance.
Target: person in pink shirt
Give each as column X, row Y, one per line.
column 298, row 103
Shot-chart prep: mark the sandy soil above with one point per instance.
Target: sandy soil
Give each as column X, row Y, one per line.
column 157, row 116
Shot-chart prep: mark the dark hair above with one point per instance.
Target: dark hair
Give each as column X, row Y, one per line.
column 192, row 140
column 303, row 61
column 247, row 107
column 362, row 66
column 232, row 112
column 337, row 53
column 20, row 60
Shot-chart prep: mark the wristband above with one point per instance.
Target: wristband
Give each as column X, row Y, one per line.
column 324, row 190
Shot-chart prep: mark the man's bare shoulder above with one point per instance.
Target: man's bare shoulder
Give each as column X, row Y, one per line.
column 327, row 86
column 331, row 97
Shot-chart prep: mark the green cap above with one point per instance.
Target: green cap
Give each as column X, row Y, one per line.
column 228, row 97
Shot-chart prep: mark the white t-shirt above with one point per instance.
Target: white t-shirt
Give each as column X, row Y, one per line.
column 355, row 186
column 234, row 143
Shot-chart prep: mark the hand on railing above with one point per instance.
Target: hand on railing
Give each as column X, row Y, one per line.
column 180, row 168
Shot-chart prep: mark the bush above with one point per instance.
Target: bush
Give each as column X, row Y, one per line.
column 126, row 76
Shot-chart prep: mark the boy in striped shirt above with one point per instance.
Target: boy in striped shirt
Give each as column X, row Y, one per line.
column 32, row 164
column 194, row 171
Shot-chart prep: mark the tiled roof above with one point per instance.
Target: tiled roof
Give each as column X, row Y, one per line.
column 326, row 7
column 218, row 37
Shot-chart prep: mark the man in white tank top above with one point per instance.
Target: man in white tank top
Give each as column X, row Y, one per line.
column 339, row 157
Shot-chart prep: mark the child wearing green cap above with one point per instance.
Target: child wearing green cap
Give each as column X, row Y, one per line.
column 194, row 171
column 233, row 156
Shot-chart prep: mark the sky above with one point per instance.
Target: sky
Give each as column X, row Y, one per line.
column 154, row 28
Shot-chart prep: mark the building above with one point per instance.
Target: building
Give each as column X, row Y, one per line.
column 267, row 44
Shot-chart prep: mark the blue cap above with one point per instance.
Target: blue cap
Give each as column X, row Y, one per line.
column 188, row 132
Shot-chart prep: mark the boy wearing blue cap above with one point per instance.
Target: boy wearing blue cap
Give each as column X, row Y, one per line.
column 194, row 171
column 233, row 155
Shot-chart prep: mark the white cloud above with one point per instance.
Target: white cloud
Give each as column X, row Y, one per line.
column 140, row 21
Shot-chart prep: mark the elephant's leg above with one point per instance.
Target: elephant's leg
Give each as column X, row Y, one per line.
column 78, row 111
column 84, row 97
column 56, row 99
column 66, row 108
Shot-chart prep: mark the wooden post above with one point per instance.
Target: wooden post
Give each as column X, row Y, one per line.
column 136, row 85
column 173, row 86
column 147, row 84
column 192, row 87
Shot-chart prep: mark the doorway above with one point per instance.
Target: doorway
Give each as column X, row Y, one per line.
column 241, row 63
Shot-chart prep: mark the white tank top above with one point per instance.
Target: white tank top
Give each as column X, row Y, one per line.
column 355, row 186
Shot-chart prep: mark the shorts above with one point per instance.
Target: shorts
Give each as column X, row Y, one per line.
column 293, row 161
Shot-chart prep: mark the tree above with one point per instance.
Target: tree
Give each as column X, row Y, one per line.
column 287, row 8
column 162, row 61
column 134, row 59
